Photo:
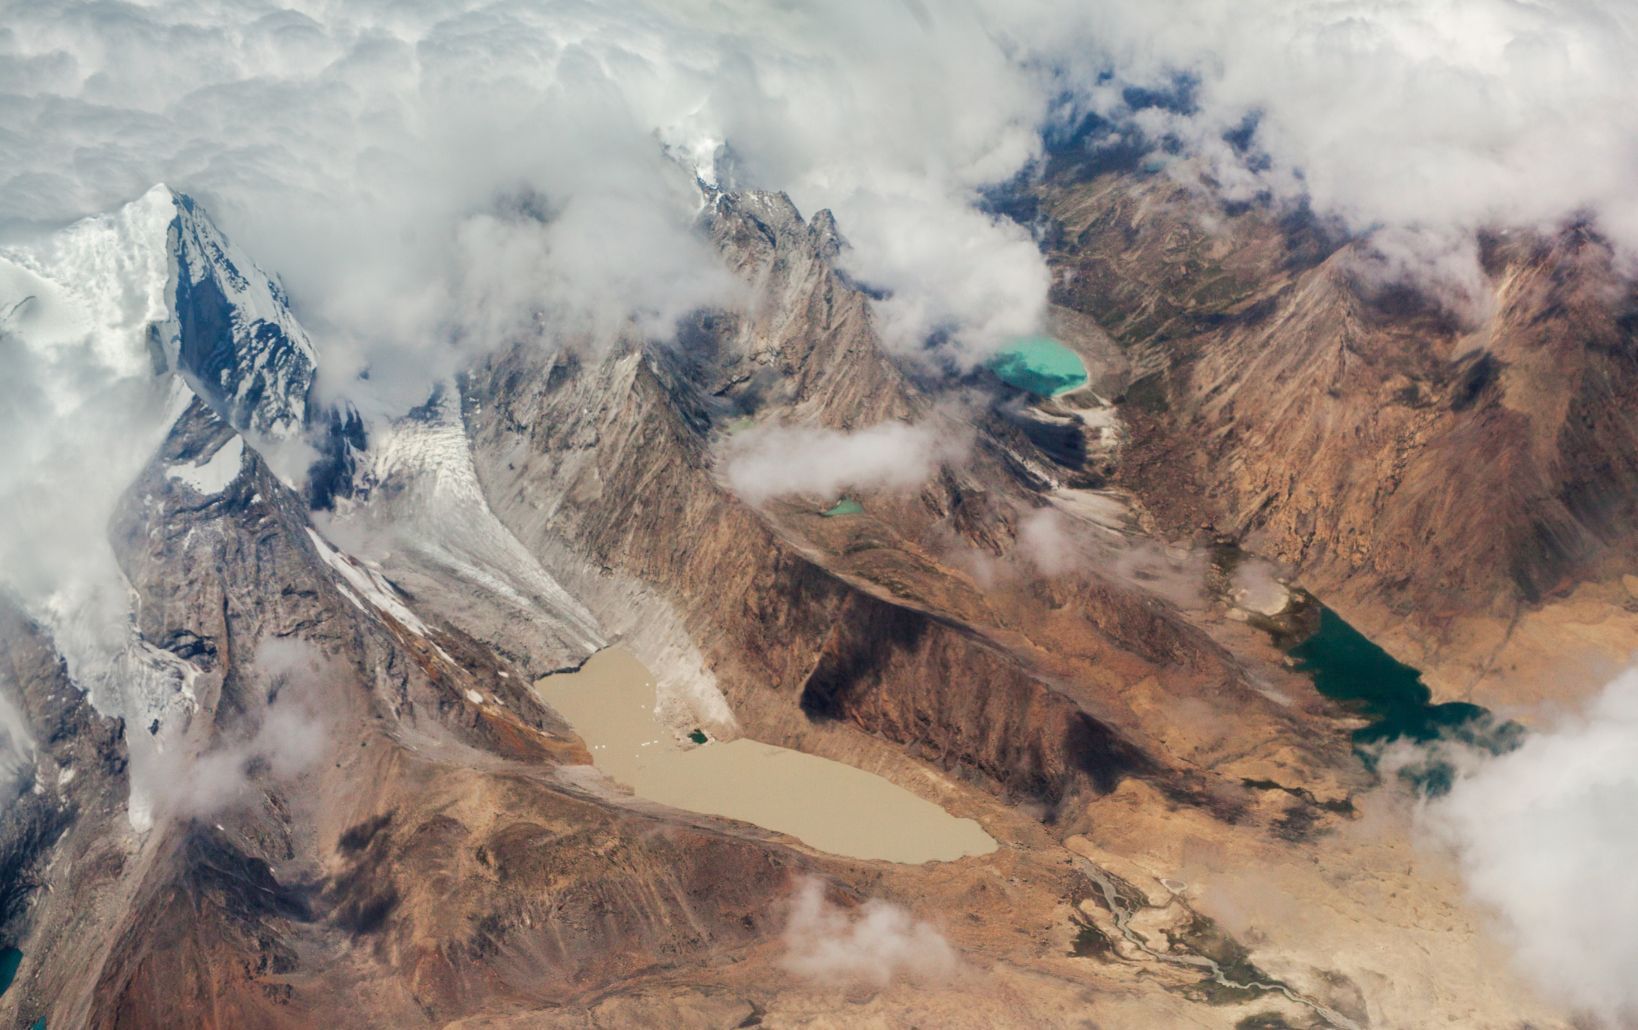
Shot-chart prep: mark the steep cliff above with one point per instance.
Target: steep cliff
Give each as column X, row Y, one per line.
column 1427, row 462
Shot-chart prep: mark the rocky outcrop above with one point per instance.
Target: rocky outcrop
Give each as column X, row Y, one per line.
column 1413, row 464
column 804, row 347
column 422, row 859
column 74, row 787
column 922, row 684
column 425, row 845
column 607, row 460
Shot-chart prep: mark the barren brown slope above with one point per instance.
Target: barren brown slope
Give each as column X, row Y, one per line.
column 449, row 859
column 795, row 622
column 435, row 866
column 864, row 639
column 1427, row 476
column 426, row 866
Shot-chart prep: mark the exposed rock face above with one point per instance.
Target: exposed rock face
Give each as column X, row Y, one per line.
column 238, row 345
column 426, row 845
column 423, row 846
column 1412, row 465
column 609, row 459
column 777, row 629
column 424, row 852
column 235, row 336
column 917, row 682
column 77, row 770
column 805, row 345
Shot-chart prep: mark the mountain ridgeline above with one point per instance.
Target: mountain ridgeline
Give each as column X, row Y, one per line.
column 357, row 803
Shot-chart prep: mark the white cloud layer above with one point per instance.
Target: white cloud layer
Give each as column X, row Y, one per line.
column 769, row 461
column 16, row 747
column 452, row 172
column 1439, row 117
column 875, row 944
column 1548, row 839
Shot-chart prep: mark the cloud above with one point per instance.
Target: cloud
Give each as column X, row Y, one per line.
column 1045, row 539
column 1548, row 840
column 872, row 945
column 1255, row 586
column 1438, row 118
column 432, row 179
column 769, row 461
column 16, row 751
column 288, row 736
column 81, row 413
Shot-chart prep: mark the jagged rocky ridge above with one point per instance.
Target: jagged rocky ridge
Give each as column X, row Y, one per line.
column 1440, row 467
column 443, row 856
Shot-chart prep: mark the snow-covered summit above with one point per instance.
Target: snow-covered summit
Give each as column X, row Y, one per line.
column 156, row 286
column 237, row 338
column 109, row 327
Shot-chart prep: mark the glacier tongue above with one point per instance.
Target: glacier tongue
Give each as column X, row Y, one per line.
column 421, row 515
column 109, row 328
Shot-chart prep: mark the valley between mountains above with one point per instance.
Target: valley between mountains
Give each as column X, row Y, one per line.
column 312, row 781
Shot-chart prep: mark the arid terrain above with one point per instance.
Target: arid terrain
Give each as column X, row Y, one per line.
column 1054, row 635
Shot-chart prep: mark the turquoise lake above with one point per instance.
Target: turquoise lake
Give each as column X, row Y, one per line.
column 1347, row 667
column 1041, row 365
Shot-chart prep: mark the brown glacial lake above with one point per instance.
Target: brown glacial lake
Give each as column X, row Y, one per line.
column 829, row 806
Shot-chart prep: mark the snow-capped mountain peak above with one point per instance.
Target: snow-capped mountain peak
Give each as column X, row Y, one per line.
column 156, row 286
column 236, row 336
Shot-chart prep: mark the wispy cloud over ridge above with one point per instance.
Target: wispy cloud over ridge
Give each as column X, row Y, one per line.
column 764, row 462
column 451, row 172
column 429, row 173
column 872, row 945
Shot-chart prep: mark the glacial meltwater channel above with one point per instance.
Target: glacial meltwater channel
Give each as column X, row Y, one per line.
column 1041, row 365
column 610, row 702
column 1346, row 666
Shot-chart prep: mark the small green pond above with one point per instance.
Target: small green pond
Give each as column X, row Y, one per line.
column 10, row 960
column 845, row 506
column 1041, row 365
column 1346, row 666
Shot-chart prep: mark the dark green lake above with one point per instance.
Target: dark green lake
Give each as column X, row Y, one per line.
column 10, row 959
column 1347, row 667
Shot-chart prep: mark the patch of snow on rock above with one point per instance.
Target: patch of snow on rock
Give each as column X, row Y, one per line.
column 217, row 471
column 368, row 583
